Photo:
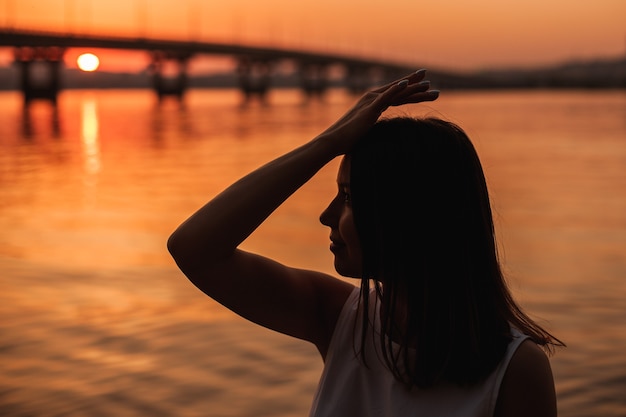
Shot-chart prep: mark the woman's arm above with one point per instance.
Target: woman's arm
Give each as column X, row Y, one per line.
column 301, row 303
column 296, row 302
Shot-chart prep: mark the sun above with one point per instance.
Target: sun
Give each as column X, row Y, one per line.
column 88, row 62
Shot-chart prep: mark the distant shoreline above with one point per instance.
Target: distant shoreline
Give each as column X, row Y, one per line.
column 595, row 74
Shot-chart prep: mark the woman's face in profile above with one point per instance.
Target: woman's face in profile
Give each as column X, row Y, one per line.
column 345, row 244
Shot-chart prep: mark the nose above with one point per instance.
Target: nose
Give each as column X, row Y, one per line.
column 327, row 217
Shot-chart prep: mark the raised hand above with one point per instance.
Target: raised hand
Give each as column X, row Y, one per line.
column 346, row 131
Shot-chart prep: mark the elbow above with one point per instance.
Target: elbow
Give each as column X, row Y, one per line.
column 175, row 246
column 195, row 254
column 190, row 256
column 179, row 250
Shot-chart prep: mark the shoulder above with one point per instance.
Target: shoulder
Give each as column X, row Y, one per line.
column 528, row 385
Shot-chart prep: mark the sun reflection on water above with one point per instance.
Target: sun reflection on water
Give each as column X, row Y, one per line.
column 90, row 147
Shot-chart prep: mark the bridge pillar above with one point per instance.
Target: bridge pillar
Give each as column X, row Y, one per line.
column 254, row 77
column 313, row 78
column 39, row 72
column 165, row 84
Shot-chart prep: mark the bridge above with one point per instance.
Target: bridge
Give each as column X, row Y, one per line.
column 254, row 65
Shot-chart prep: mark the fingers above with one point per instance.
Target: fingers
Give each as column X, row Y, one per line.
column 412, row 78
column 418, row 90
column 430, row 95
column 410, row 89
column 414, row 97
column 417, row 76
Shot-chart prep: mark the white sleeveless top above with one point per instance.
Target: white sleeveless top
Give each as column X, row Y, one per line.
column 349, row 389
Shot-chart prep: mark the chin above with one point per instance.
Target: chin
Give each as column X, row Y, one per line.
column 348, row 271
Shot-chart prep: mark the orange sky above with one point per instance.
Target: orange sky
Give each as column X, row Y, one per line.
column 453, row 34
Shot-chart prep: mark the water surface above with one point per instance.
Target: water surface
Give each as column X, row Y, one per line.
column 95, row 320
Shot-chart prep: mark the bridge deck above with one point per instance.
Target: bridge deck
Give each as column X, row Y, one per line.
column 25, row 38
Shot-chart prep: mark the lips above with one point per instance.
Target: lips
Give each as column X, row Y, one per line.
column 336, row 244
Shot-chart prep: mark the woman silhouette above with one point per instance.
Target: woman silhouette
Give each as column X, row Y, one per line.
column 432, row 329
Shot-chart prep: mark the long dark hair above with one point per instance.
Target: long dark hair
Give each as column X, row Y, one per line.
column 422, row 211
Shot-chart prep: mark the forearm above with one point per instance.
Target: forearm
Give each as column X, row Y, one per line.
column 216, row 229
